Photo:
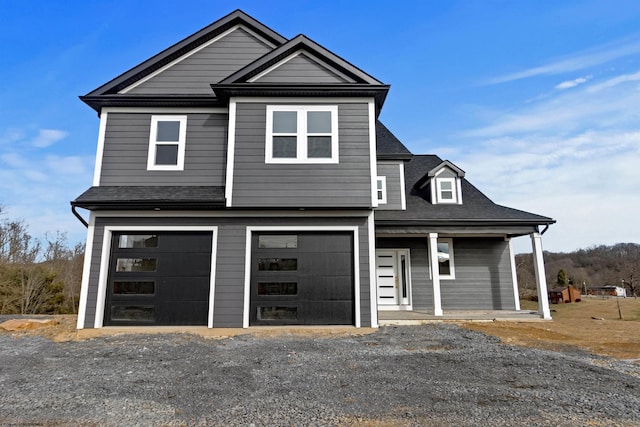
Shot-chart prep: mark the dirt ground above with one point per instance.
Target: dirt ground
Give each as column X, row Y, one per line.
column 593, row 324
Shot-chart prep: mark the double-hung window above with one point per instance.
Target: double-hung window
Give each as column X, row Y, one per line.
column 446, row 190
column 302, row 134
column 167, row 143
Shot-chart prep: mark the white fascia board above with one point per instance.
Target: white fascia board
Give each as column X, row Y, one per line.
column 231, row 148
column 192, row 52
column 372, row 152
column 166, row 110
column 295, row 55
column 356, row 260
column 403, row 195
column 86, row 271
column 97, row 171
column 106, row 252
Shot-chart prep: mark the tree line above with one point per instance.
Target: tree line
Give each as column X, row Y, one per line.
column 38, row 277
column 617, row 265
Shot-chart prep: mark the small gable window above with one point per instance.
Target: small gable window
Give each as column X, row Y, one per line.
column 446, row 190
column 167, row 143
column 381, row 189
column 302, row 134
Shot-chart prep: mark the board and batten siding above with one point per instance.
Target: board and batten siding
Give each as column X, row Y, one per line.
column 230, row 261
column 195, row 73
column 391, row 170
column 126, row 149
column 483, row 276
column 346, row 184
column 302, row 69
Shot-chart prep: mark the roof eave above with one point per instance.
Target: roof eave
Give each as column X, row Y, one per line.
column 200, row 101
column 378, row 92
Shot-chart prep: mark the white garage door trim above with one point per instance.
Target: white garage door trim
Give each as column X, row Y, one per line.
column 356, row 262
column 106, row 251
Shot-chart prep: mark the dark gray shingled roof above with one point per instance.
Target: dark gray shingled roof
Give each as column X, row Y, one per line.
column 388, row 146
column 475, row 209
column 151, row 197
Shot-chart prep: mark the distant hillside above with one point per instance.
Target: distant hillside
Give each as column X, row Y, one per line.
column 599, row 265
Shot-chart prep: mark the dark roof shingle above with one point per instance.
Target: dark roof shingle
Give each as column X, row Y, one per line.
column 151, row 197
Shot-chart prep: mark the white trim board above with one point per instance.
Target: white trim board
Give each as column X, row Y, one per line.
column 102, row 132
column 231, row 148
column 107, row 237
column 86, row 270
column 356, row 260
column 303, row 100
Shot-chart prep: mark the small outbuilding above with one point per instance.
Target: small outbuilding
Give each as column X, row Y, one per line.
column 607, row 290
column 566, row 295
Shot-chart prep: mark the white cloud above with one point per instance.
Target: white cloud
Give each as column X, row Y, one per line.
column 573, row 157
column 47, row 137
column 572, row 83
column 577, row 61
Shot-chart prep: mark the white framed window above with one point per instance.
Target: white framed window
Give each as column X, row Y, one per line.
column 167, row 143
column 446, row 266
column 381, row 189
column 446, row 190
column 302, row 134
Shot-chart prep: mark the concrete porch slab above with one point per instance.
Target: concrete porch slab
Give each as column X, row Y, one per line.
column 418, row 317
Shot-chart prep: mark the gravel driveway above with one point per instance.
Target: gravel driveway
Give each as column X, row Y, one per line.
column 425, row 375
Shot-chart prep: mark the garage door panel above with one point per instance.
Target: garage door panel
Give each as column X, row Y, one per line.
column 319, row 290
column 194, row 264
column 166, row 283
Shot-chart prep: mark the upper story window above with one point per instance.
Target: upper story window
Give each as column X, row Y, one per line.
column 446, row 190
column 167, row 143
column 381, row 189
column 302, row 134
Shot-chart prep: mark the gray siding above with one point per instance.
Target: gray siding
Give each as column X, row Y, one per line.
column 421, row 285
column 447, row 173
column 483, row 276
column 194, row 74
column 346, row 184
column 302, row 69
column 230, row 262
column 126, row 149
column 391, row 170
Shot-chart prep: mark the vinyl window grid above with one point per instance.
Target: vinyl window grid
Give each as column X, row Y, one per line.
column 441, row 190
column 301, row 133
column 154, row 143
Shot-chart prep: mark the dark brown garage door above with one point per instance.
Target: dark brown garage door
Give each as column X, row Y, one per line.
column 159, row 279
column 302, row 279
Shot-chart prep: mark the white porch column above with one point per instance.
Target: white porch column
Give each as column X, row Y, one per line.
column 541, row 277
column 514, row 275
column 435, row 273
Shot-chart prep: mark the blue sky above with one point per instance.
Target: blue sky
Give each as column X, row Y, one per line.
column 538, row 101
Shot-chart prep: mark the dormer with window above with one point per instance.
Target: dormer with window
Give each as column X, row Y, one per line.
column 445, row 181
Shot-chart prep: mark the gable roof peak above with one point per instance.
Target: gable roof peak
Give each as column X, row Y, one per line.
column 237, row 17
column 449, row 165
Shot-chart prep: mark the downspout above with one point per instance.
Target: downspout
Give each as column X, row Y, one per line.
column 546, row 227
column 82, row 220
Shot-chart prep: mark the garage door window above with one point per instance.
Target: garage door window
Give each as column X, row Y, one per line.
column 136, row 264
column 278, row 288
column 138, row 241
column 277, row 313
column 134, row 288
column 277, row 264
column 132, row 313
column 277, row 242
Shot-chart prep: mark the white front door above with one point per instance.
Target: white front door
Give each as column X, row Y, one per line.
column 392, row 275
